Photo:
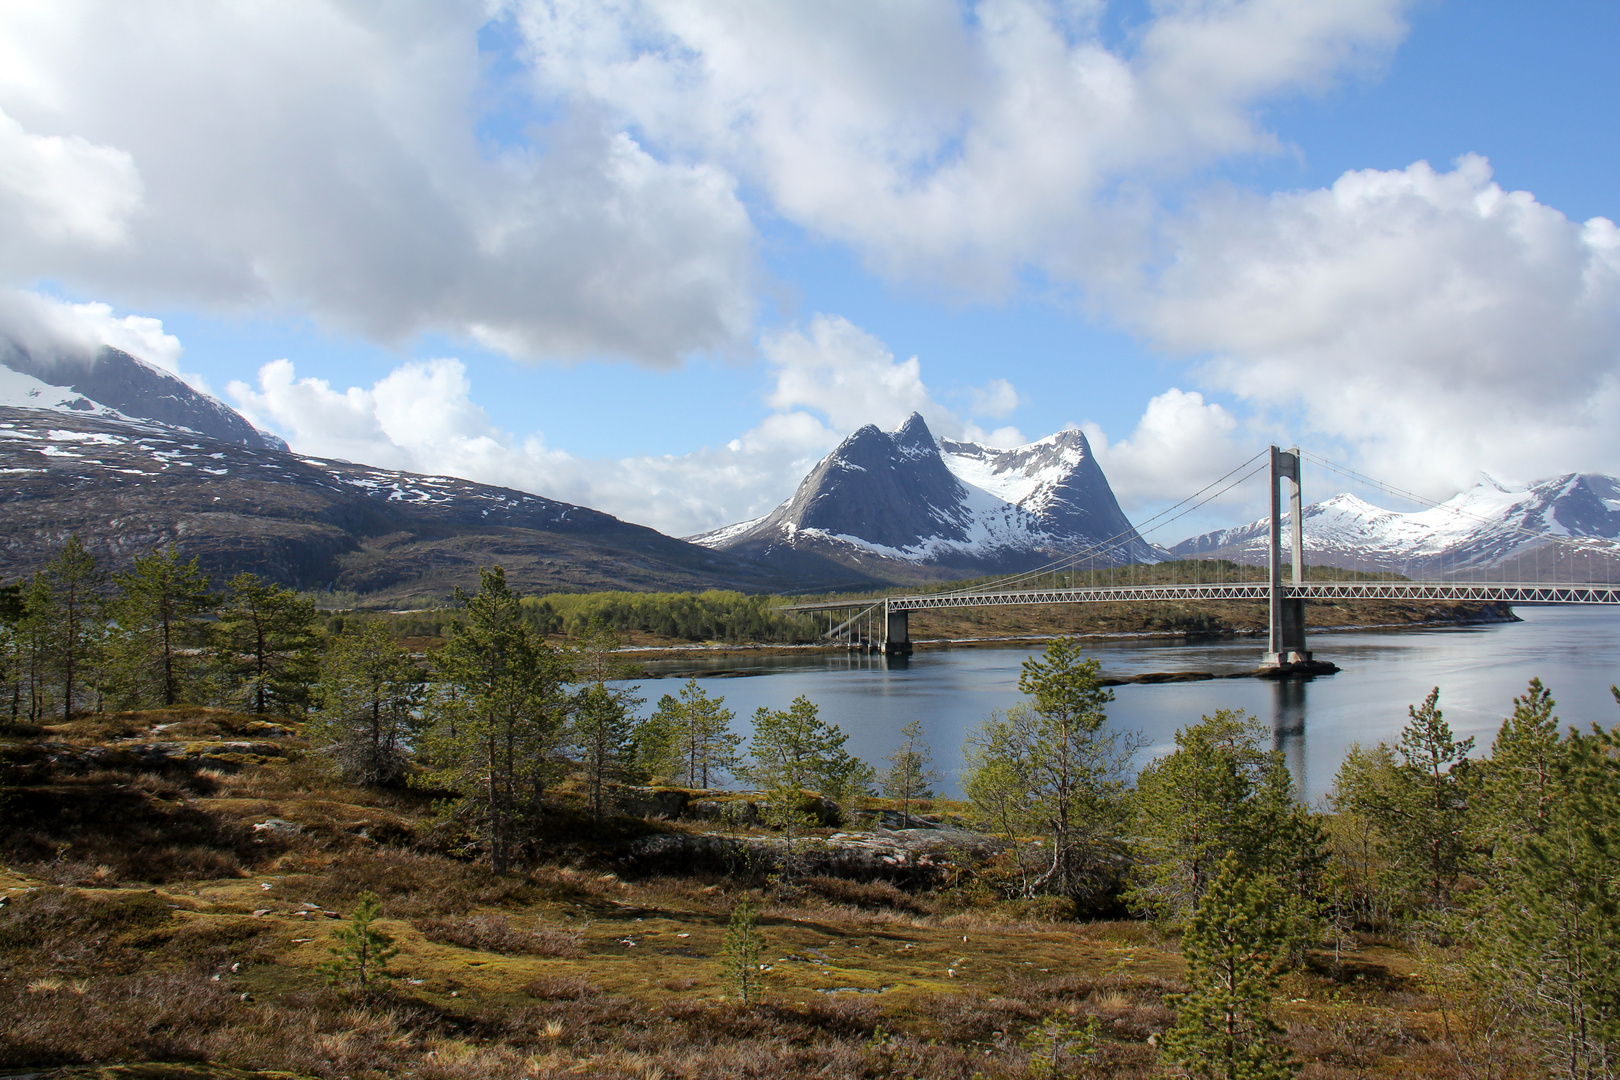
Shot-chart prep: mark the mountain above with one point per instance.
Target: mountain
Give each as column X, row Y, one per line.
column 1487, row 528
column 901, row 506
column 112, row 383
column 124, row 487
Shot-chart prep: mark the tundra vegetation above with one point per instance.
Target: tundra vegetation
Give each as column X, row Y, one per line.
column 237, row 839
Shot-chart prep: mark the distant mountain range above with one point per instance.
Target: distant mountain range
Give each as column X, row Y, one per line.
column 902, row 506
column 1488, row 528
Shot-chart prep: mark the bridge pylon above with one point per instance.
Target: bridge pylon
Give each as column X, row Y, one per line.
column 1287, row 650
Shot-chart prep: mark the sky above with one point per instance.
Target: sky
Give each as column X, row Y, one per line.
column 659, row 256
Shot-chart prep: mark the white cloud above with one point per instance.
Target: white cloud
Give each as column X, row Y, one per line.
column 1180, row 444
column 954, row 143
column 997, row 398
column 325, row 158
column 1429, row 324
column 63, row 190
column 421, row 417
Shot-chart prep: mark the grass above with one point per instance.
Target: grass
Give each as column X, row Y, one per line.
column 145, row 920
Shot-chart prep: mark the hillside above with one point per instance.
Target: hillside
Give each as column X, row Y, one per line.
column 388, row 537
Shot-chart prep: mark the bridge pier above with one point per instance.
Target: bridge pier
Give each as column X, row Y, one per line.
column 1287, row 652
column 896, row 631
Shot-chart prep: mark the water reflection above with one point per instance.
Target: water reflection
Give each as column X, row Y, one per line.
column 1288, row 725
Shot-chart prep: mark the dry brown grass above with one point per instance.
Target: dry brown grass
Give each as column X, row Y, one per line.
column 492, row 932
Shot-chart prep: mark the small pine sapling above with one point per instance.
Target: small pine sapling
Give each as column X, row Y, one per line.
column 1062, row 1047
column 910, row 773
column 741, row 952
column 360, row 957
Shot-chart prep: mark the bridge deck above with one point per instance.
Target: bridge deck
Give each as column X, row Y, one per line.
column 1506, row 592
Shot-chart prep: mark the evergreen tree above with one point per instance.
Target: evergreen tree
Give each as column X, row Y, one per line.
column 1235, row 947
column 1417, row 796
column 360, row 957
column 1047, row 767
column 1517, row 785
column 910, row 772
column 13, row 668
column 602, row 738
column 497, row 711
column 1551, row 925
column 689, row 738
column 794, row 751
column 66, row 611
column 265, row 640
column 740, row 953
column 157, row 617
column 1220, row 794
column 365, row 703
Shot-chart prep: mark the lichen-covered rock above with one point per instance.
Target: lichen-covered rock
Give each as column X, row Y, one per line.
column 916, row 858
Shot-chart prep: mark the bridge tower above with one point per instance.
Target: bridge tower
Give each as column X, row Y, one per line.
column 896, row 631
column 1287, row 646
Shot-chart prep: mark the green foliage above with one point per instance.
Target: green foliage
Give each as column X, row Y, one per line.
column 1235, row 946
column 157, row 625
column 1517, row 784
column 1048, row 768
column 360, row 957
column 688, row 739
column 714, row 615
column 265, row 643
column 365, row 703
column 1550, row 917
column 794, row 751
column 1220, row 795
column 65, row 620
column 1416, row 797
column 496, row 713
column 740, row 952
column 1062, row 1047
column 602, row 739
column 910, row 772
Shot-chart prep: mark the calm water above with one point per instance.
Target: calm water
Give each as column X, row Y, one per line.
column 1575, row 651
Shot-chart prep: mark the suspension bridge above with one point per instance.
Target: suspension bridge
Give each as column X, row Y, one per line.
column 883, row 624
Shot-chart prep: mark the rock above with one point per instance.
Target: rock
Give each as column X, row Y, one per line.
column 918, row 858
column 278, row 827
column 649, row 802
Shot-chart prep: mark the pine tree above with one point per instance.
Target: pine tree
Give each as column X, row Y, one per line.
column 360, row 957
column 266, row 640
column 740, row 953
column 1551, row 924
column 497, row 711
column 66, row 611
column 1048, row 767
column 910, row 770
column 602, row 738
column 690, row 738
column 1235, row 947
column 1419, row 796
column 1218, row 794
column 157, row 617
column 365, row 702
column 1516, row 783
column 794, row 751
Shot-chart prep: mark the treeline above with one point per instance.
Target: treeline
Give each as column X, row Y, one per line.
column 714, row 615
column 74, row 639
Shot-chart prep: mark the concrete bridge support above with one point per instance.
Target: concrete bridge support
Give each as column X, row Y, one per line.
column 1287, row 646
column 896, row 631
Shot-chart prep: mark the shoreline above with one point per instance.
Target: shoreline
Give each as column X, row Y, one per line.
column 654, row 653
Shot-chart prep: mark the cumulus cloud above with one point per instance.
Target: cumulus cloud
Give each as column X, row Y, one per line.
column 421, row 417
column 1180, row 444
column 954, row 143
column 325, row 158
column 1428, row 324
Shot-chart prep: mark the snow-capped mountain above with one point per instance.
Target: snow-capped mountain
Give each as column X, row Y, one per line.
column 1487, row 528
column 113, row 384
column 900, row 505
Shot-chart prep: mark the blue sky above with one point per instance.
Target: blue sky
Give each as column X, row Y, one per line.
column 659, row 258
